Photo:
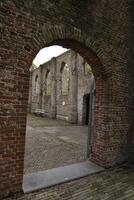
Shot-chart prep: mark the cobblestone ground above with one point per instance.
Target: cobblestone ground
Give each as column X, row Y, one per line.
column 113, row 184
column 53, row 143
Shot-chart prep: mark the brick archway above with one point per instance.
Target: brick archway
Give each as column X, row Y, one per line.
column 18, row 118
column 26, row 28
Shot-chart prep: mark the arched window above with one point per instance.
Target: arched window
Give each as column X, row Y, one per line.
column 36, row 84
column 65, row 72
column 48, row 83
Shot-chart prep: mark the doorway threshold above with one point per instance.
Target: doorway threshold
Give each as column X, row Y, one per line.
column 43, row 179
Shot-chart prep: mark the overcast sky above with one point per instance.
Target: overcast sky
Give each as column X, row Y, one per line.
column 47, row 53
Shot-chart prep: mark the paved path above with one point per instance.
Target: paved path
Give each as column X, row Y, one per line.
column 113, row 184
column 53, row 143
column 39, row 180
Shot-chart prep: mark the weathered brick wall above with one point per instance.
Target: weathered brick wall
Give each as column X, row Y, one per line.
column 45, row 104
column 62, row 111
column 35, row 89
column 102, row 32
column 130, row 68
column 83, row 89
column 63, row 101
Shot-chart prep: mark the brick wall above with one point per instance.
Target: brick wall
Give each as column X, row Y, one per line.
column 63, row 104
column 101, row 32
column 35, row 89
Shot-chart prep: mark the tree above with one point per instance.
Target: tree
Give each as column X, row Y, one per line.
column 33, row 66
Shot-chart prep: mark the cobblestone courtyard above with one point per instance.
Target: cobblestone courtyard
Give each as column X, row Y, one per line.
column 53, row 143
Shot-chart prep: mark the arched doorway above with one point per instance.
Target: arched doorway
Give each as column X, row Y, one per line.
column 67, row 77
column 86, row 99
column 93, row 60
column 73, row 44
column 64, row 71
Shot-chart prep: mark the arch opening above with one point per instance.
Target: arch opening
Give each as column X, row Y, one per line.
column 25, row 31
column 69, row 76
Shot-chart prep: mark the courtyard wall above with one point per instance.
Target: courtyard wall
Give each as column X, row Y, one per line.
column 42, row 102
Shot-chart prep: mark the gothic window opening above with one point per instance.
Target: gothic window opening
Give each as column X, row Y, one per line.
column 65, row 72
column 36, row 84
column 48, row 83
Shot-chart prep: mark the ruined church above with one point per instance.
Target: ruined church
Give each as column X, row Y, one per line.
column 60, row 88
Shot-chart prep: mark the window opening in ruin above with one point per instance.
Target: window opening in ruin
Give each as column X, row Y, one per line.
column 36, row 84
column 65, row 78
column 48, row 83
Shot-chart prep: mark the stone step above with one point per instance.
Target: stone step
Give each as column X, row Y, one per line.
column 47, row 178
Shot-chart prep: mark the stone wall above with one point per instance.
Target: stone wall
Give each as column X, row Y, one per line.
column 35, row 89
column 63, row 104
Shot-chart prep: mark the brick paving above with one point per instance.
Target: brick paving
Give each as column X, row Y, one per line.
column 112, row 184
column 53, row 143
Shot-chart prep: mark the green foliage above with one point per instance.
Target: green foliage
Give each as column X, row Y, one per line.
column 88, row 70
column 33, row 66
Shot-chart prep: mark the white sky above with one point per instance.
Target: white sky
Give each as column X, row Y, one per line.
column 47, row 53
